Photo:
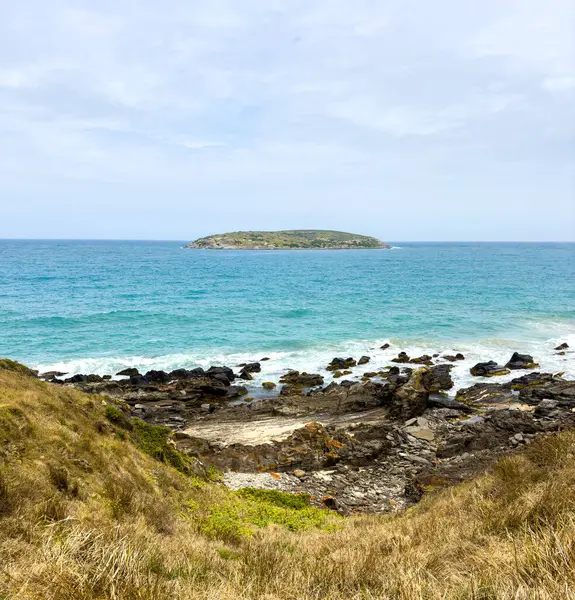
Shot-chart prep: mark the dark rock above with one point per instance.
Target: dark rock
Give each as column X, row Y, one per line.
column 179, row 374
column 439, row 378
column 547, row 409
column 268, row 385
column 128, row 372
column 363, row 360
column 530, row 379
column 77, row 379
column 254, row 367
column 488, row 369
column 453, row 357
column 246, row 375
column 561, row 391
column 157, row 376
column 346, row 383
column 422, row 360
column 264, row 359
column 402, row 357
column 562, row 346
column 491, row 433
column 341, row 363
column 485, row 393
column 221, row 373
column 51, row 375
column 233, row 391
column 521, row 361
column 138, row 380
column 438, row 401
column 411, row 398
column 302, row 380
column 94, row 378
column 197, row 372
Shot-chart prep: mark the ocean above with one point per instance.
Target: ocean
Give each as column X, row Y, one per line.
column 100, row 306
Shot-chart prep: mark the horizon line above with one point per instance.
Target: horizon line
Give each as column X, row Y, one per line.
column 32, row 239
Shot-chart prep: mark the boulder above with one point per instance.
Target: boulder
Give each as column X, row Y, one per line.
column 402, row 357
column 363, row 360
column 485, row 393
column 245, row 375
column 488, row 369
column 138, row 380
column 341, row 363
column 77, row 379
column 530, row 379
column 51, row 375
column 454, row 357
column 422, row 360
column 268, row 385
column 521, row 361
column 302, row 380
column 128, row 372
column 254, row 367
column 233, row 391
column 439, row 378
column 562, row 346
column 559, row 390
column 410, row 400
column 384, row 347
column 154, row 376
column 547, row 409
column 221, row 373
column 439, row 401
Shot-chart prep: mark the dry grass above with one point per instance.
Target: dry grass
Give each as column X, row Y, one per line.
column 85, row 514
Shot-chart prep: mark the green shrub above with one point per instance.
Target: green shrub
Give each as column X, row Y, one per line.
column 155, row 441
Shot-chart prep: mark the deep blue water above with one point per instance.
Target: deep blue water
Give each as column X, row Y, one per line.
column 101, row 304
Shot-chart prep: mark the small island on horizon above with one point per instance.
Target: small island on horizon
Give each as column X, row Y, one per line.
column 293, row 239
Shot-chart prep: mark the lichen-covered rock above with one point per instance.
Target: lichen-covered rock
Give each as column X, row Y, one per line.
column 439, row 378
column 302, row 380
column 422, row 360
column 563, row 392
column 402, row 357
column 268, row 385
column 531, row 379
column 485, row 393
column 521, row 361
column 363, row 360
column 340, row 364
column 410, row 399
column 488, row 369
column 453, row 357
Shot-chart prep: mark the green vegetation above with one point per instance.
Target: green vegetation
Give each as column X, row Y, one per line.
column 297, row 239
column 95, row 505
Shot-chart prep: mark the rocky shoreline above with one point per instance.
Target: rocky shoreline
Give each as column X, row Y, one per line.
column 373, row 439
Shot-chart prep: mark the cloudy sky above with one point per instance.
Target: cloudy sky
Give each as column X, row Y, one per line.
column 404, row 119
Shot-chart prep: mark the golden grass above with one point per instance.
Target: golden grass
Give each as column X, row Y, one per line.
column 86, row 515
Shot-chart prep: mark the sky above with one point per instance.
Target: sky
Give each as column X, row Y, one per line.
column 402, row 119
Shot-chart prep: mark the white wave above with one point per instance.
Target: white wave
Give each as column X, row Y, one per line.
column 315, row 360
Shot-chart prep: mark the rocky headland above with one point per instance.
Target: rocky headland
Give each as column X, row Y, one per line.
column 297, row 239
column 373, row 439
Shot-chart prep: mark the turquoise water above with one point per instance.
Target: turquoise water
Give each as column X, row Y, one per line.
column 100, row 305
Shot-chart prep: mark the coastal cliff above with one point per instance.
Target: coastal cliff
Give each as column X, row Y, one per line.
column 297, row 239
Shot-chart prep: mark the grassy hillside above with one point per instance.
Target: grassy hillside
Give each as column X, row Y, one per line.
column 290, row 239
column 94, row 505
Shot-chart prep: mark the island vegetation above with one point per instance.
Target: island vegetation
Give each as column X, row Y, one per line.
column 296, row 239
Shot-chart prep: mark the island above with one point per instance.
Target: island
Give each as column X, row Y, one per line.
column 295, row 239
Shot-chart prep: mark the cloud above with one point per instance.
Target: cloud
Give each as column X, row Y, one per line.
column 300, row 93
